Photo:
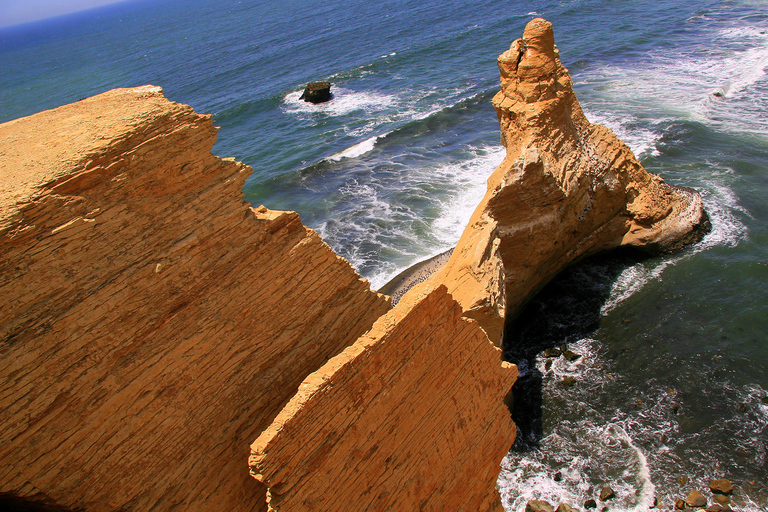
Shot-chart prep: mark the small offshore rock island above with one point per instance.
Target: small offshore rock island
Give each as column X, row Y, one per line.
column 155, row 325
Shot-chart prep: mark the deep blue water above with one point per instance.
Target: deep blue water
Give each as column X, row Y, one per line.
column 674, row 376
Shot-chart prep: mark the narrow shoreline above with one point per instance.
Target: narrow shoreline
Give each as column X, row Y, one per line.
column 413, row 275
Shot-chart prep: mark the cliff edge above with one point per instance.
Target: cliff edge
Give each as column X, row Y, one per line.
column 566, row 188
column 152, row 323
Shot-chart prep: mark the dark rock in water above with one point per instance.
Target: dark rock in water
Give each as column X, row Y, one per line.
column 317, row 92
column 715, row 508
column 680, row 505
column 552, row 352
column 590, row 503
column 565, row 507
column 722, row 499
column 606, row 493
column 695, row 499
column 571, row 356
column 682, row 480
column 538, row 506
column 569, row 381
column 721, row 486
column 558, row 477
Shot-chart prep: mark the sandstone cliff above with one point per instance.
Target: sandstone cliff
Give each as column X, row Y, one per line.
column 567, row 188
column 410, row 418
column 152, row 324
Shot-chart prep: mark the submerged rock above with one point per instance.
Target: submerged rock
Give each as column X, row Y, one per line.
column 317, row 92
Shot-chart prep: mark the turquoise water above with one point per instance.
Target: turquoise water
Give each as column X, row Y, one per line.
column 673, row 377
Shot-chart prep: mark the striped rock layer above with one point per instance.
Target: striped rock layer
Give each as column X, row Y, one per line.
column 152, row 324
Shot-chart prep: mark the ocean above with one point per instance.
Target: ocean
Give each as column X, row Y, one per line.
column 672, row 378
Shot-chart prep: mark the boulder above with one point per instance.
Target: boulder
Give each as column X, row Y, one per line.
column 565, row 507
column 539, row 506
column 606, row 494
column 721, row 486
column 553, row 352
column 571, row 356
column 317, row 92
column 695, row 499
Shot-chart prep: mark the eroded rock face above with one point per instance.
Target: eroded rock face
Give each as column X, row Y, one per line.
column 152, row 324
column 411, row 417
column 567, row 188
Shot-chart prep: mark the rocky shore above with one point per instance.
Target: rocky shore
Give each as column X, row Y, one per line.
column 720, row 500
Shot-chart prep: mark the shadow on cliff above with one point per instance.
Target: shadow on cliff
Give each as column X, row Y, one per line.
column 566, row 310
column 10, row 502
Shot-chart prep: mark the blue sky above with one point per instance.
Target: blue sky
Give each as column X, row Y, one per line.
column 13, row 12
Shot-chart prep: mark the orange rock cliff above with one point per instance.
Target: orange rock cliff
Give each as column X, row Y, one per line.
column 567, row 188
column 153, row 325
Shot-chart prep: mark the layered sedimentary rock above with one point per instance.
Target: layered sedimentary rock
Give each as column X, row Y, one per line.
column 151, row 322
column 567, row 188
column 153, row 325
column 411, row 417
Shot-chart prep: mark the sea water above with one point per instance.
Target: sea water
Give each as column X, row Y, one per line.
column 673, row 376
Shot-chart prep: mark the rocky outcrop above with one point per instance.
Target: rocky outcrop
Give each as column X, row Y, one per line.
column 317, row 92
column 567, row 188
column 411, row 417
column 384, row 425
column 152, row 324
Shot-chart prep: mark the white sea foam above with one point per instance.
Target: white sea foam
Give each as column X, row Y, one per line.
column 581, row 458
column 642, row 141
column 717, row 84
column 355, row 151
column 632, row 450
column 722, row 207
column 466, row 179
column 343, row 103
column 471, row 176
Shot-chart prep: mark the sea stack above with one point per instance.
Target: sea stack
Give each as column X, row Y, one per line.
column 567, row 188
column 317, row 92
